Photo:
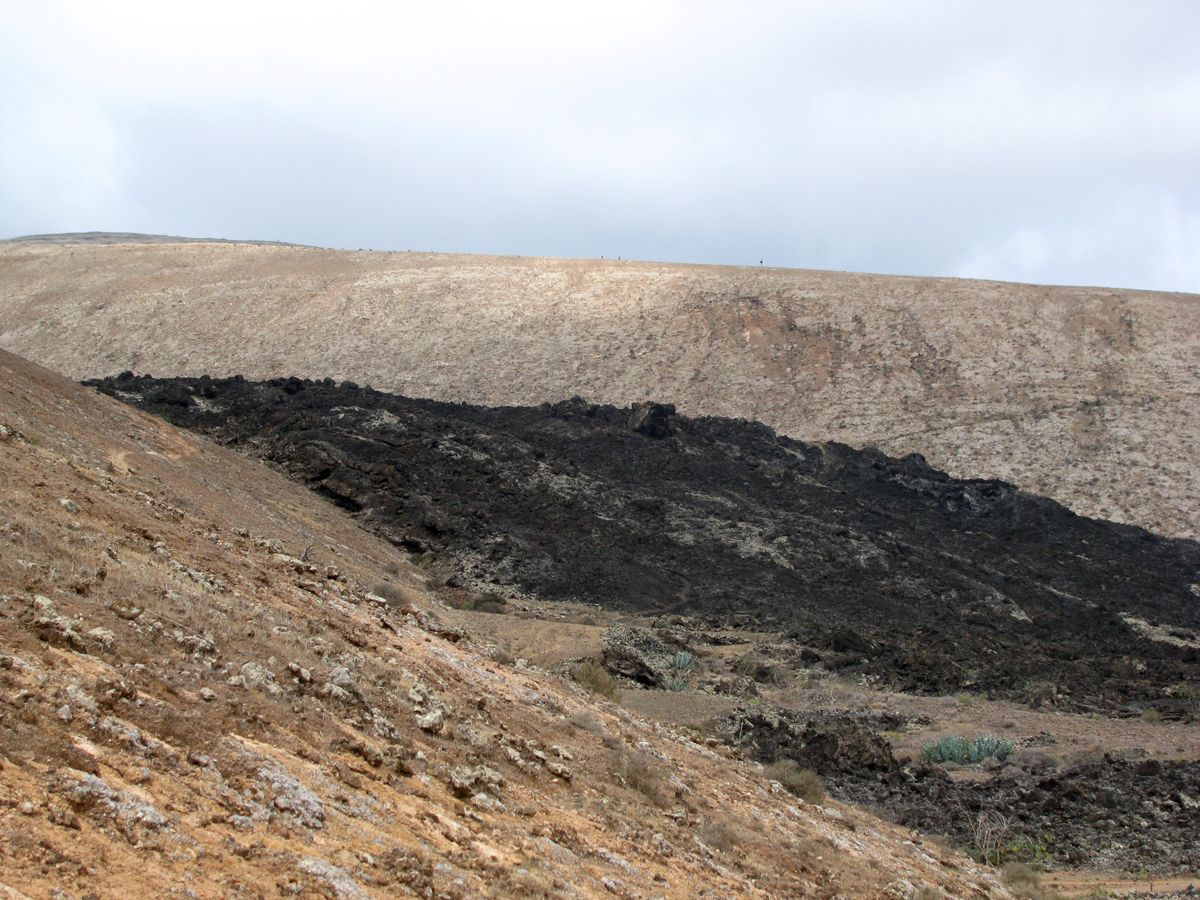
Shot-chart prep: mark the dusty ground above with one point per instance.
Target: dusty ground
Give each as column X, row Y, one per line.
column 1065, row 738
column 1086, row 395
column 1051, row 740
column 199, row 697
column 1099, row 885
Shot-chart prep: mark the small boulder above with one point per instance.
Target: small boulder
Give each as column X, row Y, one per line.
column 654, row 420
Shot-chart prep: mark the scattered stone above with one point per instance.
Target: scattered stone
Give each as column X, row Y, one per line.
column 900, row 889
column 290, row 796
column 195, row 643
column 256, row 677
column 618, row 861
column 133, row 815
column 465, row 781
column 69, row 505
column 432, row 721
column 102, row 636
column 344, row 887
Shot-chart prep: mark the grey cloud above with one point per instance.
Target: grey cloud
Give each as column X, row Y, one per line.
column 1029, row 141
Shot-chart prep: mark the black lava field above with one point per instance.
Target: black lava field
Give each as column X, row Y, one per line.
column 883, row 566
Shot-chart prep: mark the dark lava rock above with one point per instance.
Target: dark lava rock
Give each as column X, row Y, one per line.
column 1103, row 815
column 887, row 566
column 637, row 654
column 835, row 746
column 655, row 420
column 1111, row 814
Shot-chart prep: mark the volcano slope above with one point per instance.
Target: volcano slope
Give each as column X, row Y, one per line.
column 200, row 696
column 1087, row 395
column 887, row 567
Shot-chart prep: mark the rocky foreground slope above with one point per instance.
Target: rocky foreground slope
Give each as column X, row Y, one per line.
column 200, row 696
column 1090, row 396
column 884, row 567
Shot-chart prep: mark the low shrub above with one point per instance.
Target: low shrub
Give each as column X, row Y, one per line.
column 396, row 595
column 586, row 721
column 804, row 783
column 593, row 676
column 1025, row 883
column 640, row 773
column 720, row 836
column 757, row 669
column 501, row 655
column 489, row 602
column 1038, row 693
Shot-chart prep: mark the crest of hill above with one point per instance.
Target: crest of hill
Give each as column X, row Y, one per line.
column 198, row 691
column 1085, row 395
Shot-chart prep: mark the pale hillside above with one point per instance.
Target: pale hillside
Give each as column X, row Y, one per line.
column 200, row 697
column 1087, row 395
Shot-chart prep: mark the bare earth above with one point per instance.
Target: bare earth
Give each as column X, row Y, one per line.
column 1087, row 395
column 200, row 697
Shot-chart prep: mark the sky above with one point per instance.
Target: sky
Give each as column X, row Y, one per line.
column 1053, row 142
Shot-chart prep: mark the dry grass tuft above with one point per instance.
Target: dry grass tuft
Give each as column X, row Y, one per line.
column 596, row 679
column 639, row 772
column 804, row 783
column 719, row 835
column 1025, row 883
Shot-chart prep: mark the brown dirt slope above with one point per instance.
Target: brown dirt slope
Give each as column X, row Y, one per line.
column 1086, row 395
column 199, row 695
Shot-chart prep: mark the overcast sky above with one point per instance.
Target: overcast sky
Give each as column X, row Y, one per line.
column 1043, row 141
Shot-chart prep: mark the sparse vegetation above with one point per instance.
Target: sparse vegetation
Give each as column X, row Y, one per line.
column 593, row 676
column 804, row 783
column 682, row 662
column 994, row 842
column 639, row 772
column 501, row 655
column 720, row 835
column 586, row 722
column 1038, row 693
column 989, row 832
column 489, row 601
column 954, row 748
column 437, row 568
column 395, row 595
column 676, row 683
column 1186, row 692
column 757, row 669
column 1190, row 696
column 1025, row 883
